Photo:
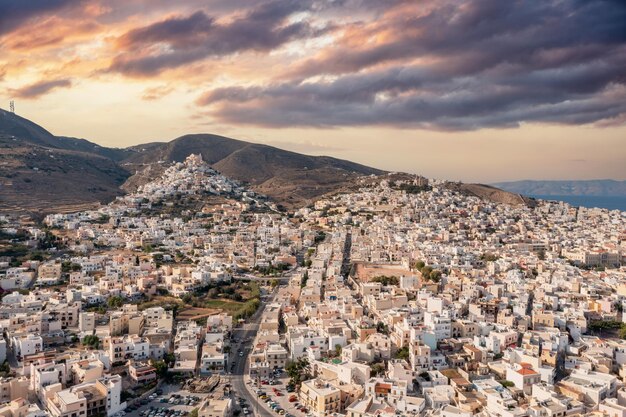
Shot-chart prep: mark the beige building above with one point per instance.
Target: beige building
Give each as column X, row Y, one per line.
column 15, row 408
column 320, row 397
column 122, row 323
column 13, row 388
column 212, row 407
column 141, row 372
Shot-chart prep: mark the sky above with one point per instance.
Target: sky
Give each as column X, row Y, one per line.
column 472, row 90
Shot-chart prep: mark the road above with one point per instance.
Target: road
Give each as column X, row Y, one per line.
column 243, row 338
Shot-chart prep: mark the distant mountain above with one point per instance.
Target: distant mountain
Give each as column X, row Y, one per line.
column 597, row 188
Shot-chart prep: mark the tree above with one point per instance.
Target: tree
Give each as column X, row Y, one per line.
column 338, row 350
column 298, row 371
column 161, row 367
column 169, row 358
column 378, row 369
column 435, row 275
column 115, row 301
column 403, row 353
column 274, row 283
column 92, row 341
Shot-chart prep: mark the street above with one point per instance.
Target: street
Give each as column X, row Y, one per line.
column 242, row 339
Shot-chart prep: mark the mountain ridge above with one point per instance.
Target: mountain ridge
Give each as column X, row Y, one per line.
column 41, row 172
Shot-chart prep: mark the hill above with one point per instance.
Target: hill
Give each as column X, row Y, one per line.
column 40, row 172
column 491, row 193
column 598, row 188
column 288, row 177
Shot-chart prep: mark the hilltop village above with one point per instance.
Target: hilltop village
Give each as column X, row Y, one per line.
column 195, row 296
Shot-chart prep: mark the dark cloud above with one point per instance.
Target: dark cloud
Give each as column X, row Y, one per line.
column 458, row 65
column 181, row 40
column 14, row 13
column 485, row 33
column 40, row 88
column 424, row 97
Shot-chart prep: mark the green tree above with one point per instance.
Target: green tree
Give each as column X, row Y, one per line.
column 161, row 367
column 338, row 350
column 115, row 301
column 298, row 371
column 377, row 369
column 92, row 341
column 403, row 353
column 435, row 275
column 426, row 272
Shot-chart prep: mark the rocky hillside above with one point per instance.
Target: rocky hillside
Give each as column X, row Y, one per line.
column 288, row 177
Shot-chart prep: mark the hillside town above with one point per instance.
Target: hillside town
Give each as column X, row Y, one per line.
column 194, row 296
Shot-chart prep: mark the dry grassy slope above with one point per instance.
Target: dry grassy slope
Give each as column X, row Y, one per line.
column 39, row 179
column 41, row 173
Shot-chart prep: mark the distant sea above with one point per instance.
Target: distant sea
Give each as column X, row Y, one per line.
column 607, row 202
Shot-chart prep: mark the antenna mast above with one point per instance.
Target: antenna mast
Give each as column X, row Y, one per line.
column 12, row 106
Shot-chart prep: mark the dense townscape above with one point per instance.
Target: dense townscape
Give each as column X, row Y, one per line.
column 398, row 297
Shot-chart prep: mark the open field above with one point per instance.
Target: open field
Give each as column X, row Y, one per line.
column 161, row 301
column 228, row 306
column 365, row 272
column 195, row 313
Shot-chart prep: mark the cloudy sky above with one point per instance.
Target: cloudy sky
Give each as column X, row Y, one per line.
column 481, row 90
